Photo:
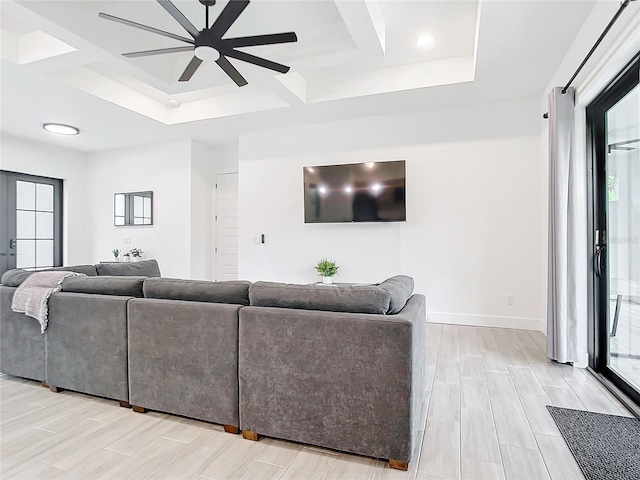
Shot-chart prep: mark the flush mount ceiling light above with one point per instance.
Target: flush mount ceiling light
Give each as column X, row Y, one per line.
column 60, row 129
column 425, row 40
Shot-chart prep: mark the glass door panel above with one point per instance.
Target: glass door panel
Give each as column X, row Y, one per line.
column 623, row 230
column 613, row 121
column 30, row 221
column 34, row 225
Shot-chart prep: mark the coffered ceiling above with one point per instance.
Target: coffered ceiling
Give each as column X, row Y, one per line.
column 353, row 57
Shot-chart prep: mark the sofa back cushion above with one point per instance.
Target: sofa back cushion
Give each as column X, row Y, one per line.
column 333, row 298
column 400, row 288
column 143, row 268
column 128, row 286
column 15, row 277
column 231, row 292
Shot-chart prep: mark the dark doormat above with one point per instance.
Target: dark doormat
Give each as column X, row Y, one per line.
column 606, row 447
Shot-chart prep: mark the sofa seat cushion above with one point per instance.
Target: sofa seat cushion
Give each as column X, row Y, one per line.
column 143, row 268
column 15, row 277
column 231, row 292
column 105, row 285
column 333, row 298
column 400, row 288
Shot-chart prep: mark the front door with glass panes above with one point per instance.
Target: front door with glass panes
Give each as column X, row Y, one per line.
column 31, row 221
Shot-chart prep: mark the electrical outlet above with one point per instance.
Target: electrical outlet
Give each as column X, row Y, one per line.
column 511, row 300
column 127, row 240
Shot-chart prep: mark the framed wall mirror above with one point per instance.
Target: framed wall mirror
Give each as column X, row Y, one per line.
column 133, row 208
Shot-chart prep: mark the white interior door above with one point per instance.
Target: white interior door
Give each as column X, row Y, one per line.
column 226, row 226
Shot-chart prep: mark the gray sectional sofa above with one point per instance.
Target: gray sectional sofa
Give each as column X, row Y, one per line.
column 86, row 344
column 183, row 349
column 22, row 346
column 339, row 367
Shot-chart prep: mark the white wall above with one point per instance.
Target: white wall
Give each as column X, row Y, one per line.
column 164, row 169
column 203, row 177
column 620, row 45
column 182, row 178
column 28, row 156
column 473, row 217
column 226, row 157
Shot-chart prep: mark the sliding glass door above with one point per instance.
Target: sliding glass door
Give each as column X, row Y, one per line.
column 614, row 121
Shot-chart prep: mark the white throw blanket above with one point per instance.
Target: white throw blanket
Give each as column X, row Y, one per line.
column 32, row 297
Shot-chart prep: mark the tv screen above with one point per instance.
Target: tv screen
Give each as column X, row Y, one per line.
column 358, row 192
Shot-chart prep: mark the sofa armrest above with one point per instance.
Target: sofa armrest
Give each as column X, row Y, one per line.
column 338, row 380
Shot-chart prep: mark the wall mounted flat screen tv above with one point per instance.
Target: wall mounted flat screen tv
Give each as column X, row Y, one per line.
column 357, row 192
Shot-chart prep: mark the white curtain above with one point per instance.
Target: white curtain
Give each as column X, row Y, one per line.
column 565, row 188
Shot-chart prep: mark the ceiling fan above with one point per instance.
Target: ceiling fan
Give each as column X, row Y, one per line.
column 208, row 44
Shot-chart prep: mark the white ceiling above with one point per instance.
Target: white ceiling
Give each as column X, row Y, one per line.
column 62, row 63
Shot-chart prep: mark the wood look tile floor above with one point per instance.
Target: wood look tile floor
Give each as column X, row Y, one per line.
column 486, row 398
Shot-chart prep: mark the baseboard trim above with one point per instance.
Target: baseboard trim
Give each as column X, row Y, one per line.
column 487, row 321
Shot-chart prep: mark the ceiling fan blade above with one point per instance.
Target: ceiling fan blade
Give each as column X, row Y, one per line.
column 229, row 15
column 261, row 62
column 190, row 70
column 129, row 23
column 179, row 17
column 256, row 40
column 231, row 71
column 160, row 51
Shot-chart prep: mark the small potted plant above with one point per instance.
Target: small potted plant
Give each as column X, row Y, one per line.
column 126, row 257
column 116, row 254
column 136, row 253
column 327, row 269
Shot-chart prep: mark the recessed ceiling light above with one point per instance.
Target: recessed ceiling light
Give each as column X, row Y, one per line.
column 348, row 189
column 60, row 129
column 322, row 189
column 425, row 40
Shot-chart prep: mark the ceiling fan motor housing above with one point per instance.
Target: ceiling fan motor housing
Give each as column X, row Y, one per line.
column 206, row 38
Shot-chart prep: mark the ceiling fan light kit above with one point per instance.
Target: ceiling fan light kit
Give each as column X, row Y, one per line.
column 208, row 44
column 205, row 52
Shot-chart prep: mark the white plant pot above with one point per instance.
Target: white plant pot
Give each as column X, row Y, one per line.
column 327, row 280
column 127, row 259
